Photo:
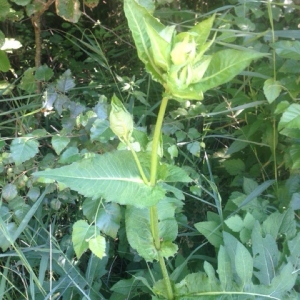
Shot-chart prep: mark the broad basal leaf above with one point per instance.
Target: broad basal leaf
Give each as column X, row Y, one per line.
column 23, row 148
column 113, row 176
column 224, row 269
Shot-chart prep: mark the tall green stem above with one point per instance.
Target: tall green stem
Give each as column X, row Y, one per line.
column 153, row 209
column 156, row 138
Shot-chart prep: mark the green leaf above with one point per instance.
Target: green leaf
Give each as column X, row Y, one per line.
column 139, row 234
column 59, row 143
column 211, row 230
column 28, row 82
column 224, row 66
column 108, row 219
column 288, row 49
column 290, row 118
column 43, row 73
column 160, row 48
column 11, row 229
column 234, row 166
column 224, row 269
column 272, row 89
column 249, row 185
column 69, row 10
column 91, row 3
column 113, row 176
column 4, row 61
column 69, row 156
column 137, row 17
column 4, row 11
column 65, row 81
column 82, row 233
column 241, row 260
column 21, row 2
column 23, row 149
column 235, row 223
column 9, row 192
column 97, row 246
column 100, row 131
column 265, row 255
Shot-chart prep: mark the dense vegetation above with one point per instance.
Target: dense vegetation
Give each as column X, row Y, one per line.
column 149, row 150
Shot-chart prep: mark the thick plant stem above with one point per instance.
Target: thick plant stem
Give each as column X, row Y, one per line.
column 156, row 138
column 153, row 209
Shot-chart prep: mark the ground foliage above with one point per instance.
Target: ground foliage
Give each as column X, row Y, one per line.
column 227, row 187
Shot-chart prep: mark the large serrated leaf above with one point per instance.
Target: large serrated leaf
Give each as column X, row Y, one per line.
column 23, row 148
column 113, row 176
column 65, row 82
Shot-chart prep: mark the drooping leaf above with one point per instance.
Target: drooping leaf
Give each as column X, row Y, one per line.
column 137, row 17
column 69, row 10
column 82, row 233
column 113, row 176
column 272, row 89
column 23, row 148
column 97, row 246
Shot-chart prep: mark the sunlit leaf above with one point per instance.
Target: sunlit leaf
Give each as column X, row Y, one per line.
column 97, row 246
column 82, row 233
column 65, row 82
column 4, row 61
column 272, row 89
column 113, row 176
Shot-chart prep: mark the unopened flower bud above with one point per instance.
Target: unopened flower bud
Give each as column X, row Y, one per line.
column 120, row 119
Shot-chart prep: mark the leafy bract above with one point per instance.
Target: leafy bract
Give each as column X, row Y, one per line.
column 113, row 176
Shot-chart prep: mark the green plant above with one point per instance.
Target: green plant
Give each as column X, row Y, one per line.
column 166, row 211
